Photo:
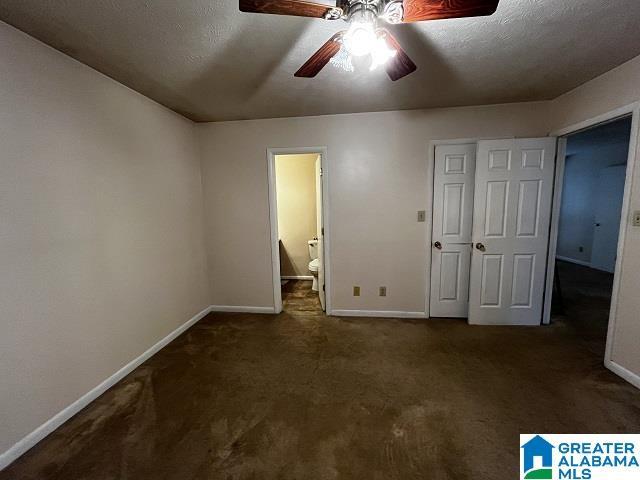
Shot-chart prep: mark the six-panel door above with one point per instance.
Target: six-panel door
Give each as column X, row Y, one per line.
column 512, row 211
column 454, row 178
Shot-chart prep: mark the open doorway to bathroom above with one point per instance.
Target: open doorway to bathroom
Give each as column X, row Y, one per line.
column 298, row 246
column 591, row 209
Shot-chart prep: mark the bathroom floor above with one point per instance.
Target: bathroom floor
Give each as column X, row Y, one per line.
column 298, row 298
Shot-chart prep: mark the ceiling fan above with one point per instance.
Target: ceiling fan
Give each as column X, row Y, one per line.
column 365, row 37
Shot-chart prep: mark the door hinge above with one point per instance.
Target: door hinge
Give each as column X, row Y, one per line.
column 322, row 231
column 323, row 287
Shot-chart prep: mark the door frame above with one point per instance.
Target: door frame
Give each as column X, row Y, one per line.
column 632, row 109
column 273, row 221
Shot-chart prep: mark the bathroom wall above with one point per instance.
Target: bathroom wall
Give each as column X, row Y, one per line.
column 296, row 192
column 377, row 169
column 101, row 235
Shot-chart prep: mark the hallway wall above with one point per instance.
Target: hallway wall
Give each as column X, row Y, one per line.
column 579, row 199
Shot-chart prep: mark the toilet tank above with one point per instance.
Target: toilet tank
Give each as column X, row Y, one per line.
column 313, row 249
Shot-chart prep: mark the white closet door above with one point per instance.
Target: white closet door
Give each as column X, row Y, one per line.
column 512, row 211
column 454, row 177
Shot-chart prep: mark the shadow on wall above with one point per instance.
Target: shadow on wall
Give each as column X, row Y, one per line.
column 240, row 44
column 287, row 268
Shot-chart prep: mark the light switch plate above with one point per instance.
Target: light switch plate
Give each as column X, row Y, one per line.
column 636, row 219
column 422, row 216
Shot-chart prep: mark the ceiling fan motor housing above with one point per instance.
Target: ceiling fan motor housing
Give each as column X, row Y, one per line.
column 389, row 10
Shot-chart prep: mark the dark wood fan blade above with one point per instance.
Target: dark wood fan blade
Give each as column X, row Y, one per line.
column 319, row 59
column 297, row 8
column 400, row 65
column 419, row 10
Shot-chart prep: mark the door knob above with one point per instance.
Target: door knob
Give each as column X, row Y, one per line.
column 480, row 247
column 438, row 245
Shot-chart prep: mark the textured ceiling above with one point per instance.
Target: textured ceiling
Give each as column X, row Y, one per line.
column 208, row 61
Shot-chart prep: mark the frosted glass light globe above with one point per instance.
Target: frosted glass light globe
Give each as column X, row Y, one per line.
column 360, row 39
column 381, row 53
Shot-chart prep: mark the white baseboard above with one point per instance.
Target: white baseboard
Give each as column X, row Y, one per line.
column 619, row 370
column 377, row 313
column 241, row 309
column 602, row 269
column 296, row 277
column 20, row 448
column 573, row 260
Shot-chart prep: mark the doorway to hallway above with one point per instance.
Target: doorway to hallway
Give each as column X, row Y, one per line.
column 591, row 206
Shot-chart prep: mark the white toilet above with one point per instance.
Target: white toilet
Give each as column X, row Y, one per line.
column 314, row 264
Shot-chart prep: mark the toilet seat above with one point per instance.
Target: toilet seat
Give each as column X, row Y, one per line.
column 314, row 265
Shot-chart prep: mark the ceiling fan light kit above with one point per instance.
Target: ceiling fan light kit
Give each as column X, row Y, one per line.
column 364, row 37
column 360, row 37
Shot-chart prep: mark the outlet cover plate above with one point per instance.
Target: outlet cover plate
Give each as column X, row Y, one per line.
column 636, row 218
column 356, row 291
column 383, row 291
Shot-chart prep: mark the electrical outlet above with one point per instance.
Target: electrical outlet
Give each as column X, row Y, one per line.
column 356, row 291
column 383, row 291
column 422, row 216
column 636, row 219
column 581, row 249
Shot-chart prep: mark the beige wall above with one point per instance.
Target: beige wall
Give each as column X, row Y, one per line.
column 101, row 240
column 377, row 173
column 614, row 89
column 296, row 189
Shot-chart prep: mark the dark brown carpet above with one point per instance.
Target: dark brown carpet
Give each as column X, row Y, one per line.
column 310, row 397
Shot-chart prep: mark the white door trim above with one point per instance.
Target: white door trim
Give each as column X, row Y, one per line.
column 273, row 221
column 556, row 204
column 633, row 110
